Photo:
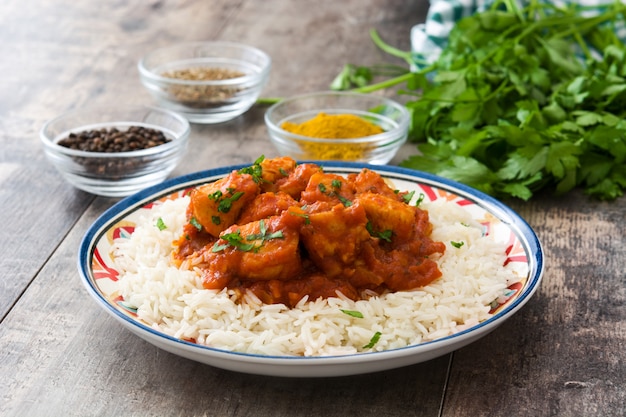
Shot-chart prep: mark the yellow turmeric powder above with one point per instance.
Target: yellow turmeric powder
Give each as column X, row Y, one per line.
column 334, row 126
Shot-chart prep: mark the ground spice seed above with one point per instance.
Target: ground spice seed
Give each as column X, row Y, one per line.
column 202, row 95
column 203, row 74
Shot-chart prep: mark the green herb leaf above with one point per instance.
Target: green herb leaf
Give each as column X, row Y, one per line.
column 384, row 235
column 307, row 220
column 215, row 195
column 344, row 201
column 373, row 340
column 419, row 200
column 408, row 197
column 160, row 224
column 218, row 248
column 522, row 99
column 235, row 240
column 195, row 223
column 255, row 170
column 263, row 235
column 353, row 313
column 226, row 203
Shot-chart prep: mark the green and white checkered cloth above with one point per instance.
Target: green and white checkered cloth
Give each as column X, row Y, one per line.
column 429, row 38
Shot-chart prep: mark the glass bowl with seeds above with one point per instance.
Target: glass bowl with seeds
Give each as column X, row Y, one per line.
column 115, row 152
column 207, row 82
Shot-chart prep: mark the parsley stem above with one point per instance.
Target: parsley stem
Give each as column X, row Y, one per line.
column 268, row 101
column 512, row 7
column 384, row 84
column 390, row 49
column 585, row 24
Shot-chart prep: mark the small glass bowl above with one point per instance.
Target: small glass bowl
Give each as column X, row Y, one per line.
column 116, row 174
column 378, row 149
column 205, row 100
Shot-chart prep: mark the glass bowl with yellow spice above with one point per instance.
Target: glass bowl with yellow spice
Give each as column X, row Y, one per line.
column 338, row 126
column 207, row 82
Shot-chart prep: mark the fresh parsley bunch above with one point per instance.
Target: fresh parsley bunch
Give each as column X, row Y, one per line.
column 522, row 99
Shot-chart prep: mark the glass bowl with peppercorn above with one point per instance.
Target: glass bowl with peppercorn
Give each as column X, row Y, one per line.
column 338, row 126
column 207, row 82
column 115, row 152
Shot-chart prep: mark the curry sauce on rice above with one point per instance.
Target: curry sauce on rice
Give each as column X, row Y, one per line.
column 282, row 258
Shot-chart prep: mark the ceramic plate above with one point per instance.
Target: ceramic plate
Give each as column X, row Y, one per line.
column 99, row 275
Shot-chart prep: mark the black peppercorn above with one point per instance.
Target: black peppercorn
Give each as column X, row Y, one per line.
column 114, row 140
column 111, row 141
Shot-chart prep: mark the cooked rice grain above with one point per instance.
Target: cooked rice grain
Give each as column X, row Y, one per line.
column 173, row 301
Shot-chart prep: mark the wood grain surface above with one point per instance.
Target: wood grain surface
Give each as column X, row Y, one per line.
column 61, row 355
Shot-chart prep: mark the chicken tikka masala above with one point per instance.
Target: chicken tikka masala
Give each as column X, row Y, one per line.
column 284, row 230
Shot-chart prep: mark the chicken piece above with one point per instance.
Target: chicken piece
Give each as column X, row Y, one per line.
column 258, row 251
column 328, row 188
column 266, row 205
column 217, row 205
column 389, row 218
column 297, row 181
column 369, row 181
column 333, row 238
column 407, row 262
column 275, row 169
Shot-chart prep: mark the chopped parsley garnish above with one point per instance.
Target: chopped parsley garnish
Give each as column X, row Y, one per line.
column 335, row 184
column 408, row 196
column 195, row 223
column 263, row 234
column 160, row 224
column 384, row 235
column 420, row 198
column 216, row 195
column 255, row 170
column 235, row 240
column 344, row 201
column 373, row 340
column 457, row 244
column 305, row 216
column 225, row 204
column 216, row 220
column 353, row 313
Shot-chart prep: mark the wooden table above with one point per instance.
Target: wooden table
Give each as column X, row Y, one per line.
column 561, row 355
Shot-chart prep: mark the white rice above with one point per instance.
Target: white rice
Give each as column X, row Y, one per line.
column 174, row 302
